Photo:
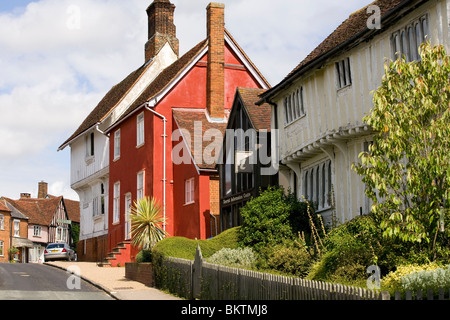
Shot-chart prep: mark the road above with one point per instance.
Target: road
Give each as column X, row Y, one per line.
column 41, row 282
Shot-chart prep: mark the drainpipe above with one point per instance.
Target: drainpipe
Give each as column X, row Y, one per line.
column 147, row 106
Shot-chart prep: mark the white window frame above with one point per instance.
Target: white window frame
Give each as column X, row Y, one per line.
column 189, row 191
column 294, row 106
column 343, row 73
column 2, row 248
column 140, row 185
column 60, row 234
column 117, row 144
column 116, row 203
column 37, row 231
column 140, row 137
column 2, row 222
column 90, row 145
column 317, row 181
column 402, row 43
column 16, row 228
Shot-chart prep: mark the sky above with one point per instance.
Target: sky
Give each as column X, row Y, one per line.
column 58, row 58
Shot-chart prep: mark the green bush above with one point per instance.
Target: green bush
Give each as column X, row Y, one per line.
column 144, row 256
column 290, row 259
column 393, row 281
column 271, row 218
column 350, row 249
column 424, row 280
column 236, row 258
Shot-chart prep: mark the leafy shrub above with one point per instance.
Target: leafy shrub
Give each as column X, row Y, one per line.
column 424, row 280
column 144, row 256
column 393, row 281
column 237, row 258
column 350, row 249
column 290, row 259
column 271, row 218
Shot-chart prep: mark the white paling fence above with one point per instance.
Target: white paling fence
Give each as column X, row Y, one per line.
column 202, row 280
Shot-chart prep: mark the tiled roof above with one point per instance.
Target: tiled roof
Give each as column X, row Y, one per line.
column 38, row 211
column 73, row 209
column 109, row 101
column 350, row 30
column 186, row 119
column 260, row 115
column 3, row 207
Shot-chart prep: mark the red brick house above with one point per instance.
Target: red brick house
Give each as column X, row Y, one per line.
column 13, row 233
column 157, row 146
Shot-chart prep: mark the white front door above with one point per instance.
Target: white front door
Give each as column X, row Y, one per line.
column 127, row 217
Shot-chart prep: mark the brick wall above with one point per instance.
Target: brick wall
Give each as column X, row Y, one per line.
column 215, row 90
column 214, row 198
column 140, row 272
column 161, row 29
column 5, row 237
column 96, row 249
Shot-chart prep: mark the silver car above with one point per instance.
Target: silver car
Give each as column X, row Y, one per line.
column 59, row 251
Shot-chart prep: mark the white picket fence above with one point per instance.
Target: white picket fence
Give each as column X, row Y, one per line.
column 202, row 280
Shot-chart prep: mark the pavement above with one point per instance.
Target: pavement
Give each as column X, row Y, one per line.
column 112, row 281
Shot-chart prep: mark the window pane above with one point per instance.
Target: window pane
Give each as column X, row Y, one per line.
column 412, row 45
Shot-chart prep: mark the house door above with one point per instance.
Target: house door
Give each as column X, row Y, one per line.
column 127, row 217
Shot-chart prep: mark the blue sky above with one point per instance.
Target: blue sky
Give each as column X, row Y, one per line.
column 10, row 5
column 58, row 58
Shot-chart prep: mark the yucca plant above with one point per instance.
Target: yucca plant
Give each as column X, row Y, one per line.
column 146, row 222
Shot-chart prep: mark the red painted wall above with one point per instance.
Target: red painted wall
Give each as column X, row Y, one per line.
column 189, row 221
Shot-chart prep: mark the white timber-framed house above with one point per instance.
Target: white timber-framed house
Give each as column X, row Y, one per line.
column 317, row 110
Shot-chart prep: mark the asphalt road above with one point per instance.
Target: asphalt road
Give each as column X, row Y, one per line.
column 41, row 282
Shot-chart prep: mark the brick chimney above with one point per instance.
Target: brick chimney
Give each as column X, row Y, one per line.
column 215, row 91
column 161, row 28
column 43, row 190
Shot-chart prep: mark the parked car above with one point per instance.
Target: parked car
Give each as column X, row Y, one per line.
column 59, row 251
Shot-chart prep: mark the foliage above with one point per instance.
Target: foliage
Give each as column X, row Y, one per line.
column 13, row 250
column 184, row 248
column 273, row 217
column 393, row 281
column 146, row 223
column 407, row 168
column 290, row 258
column 237, row 258
column 424, row 280
column 144, row 256
column 350, row 249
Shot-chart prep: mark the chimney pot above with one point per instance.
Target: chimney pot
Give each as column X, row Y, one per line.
column 43, row 189
column 215, row 91
column 161, row 28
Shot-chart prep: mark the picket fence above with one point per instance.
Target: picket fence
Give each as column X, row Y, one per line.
column 199, row 279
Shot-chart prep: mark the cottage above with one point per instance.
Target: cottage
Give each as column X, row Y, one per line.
column 246, row 159
column 123, row 150
column 47, row 221
column 320, row 105
column 13, row 234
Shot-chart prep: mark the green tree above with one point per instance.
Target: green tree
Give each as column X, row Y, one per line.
column 146, row 222
column 407, row 167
